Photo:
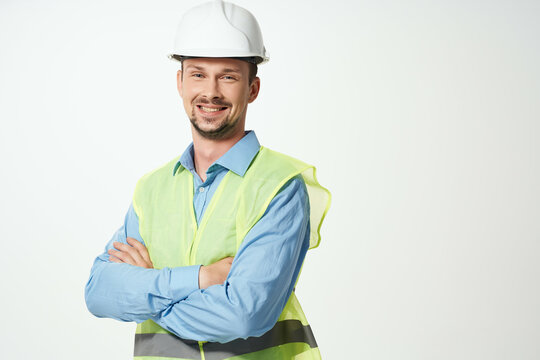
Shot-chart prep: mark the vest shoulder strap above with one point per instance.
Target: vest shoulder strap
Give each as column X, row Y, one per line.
column 151, row 183
column 268, row 173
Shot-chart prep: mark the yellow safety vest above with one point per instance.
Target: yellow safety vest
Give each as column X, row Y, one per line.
column 167, row 224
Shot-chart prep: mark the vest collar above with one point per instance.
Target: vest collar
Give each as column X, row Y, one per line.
column 237, row 158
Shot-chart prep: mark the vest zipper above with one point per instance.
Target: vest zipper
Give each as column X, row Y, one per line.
column 201, row 349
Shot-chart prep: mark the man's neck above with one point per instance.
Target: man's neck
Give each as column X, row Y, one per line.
column 207, row 151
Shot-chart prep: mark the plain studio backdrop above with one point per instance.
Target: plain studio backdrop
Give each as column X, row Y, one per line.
column 422, row 118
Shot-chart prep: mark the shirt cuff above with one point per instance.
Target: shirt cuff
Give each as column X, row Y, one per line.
column 184, row 280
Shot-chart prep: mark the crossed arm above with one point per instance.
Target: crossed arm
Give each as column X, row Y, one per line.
column 135, row 253
column 247, row 302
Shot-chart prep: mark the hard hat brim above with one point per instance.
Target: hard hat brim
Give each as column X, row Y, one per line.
column 257, row 60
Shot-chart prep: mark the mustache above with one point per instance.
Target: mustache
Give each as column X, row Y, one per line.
column 217, row 102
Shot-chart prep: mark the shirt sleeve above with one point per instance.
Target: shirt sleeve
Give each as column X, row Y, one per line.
column 130, row 293
column 260, row 281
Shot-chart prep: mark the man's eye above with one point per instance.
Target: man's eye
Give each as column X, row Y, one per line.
column 227, row 77
column 197, row 75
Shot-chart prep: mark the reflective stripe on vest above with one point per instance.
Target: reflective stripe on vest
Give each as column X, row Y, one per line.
column 164, row 205
column 168, row 345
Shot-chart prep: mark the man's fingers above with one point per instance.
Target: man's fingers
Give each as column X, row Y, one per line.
column 122, row 255
column 114, row 259
column 140, row 248
column 134, row 253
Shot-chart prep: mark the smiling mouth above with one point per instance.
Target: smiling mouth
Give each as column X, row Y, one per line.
column 211, row 109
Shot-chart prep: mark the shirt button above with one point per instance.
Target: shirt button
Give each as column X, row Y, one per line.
column 201, row 189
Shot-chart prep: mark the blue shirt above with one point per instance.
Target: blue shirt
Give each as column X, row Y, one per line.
column 260, row 281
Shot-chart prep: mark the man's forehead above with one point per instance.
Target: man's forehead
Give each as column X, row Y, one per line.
column 223, row 64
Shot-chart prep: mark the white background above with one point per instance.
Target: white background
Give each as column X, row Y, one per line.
column 422, row 118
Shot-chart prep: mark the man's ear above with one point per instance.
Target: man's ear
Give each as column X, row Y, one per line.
column 254, row 88
column 179, row 82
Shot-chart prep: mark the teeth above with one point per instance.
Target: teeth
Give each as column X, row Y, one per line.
column 210, row 109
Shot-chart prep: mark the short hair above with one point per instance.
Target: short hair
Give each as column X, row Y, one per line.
column 252, row 63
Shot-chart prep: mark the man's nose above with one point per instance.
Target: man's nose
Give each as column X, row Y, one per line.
column 211, row 90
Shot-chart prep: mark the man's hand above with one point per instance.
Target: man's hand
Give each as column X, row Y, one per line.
column 135, row 254
column 215, row 273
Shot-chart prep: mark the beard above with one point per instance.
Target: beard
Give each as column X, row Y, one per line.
column 223, row 129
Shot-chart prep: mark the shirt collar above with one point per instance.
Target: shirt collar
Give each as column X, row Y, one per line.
column 237, row 158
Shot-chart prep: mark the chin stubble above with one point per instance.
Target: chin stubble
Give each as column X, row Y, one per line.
column 225, row 129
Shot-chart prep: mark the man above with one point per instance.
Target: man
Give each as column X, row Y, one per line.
column 213, row 244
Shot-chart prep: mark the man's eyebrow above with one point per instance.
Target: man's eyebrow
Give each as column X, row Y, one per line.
column 228, row 70
column 194, row 66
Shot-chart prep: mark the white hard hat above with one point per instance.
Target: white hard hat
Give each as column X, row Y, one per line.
column 219, row 29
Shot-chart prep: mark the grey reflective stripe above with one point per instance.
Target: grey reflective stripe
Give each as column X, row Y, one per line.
column 167, row 345
column 284, row 332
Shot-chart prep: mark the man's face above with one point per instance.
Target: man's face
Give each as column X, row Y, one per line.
column 216, row 92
